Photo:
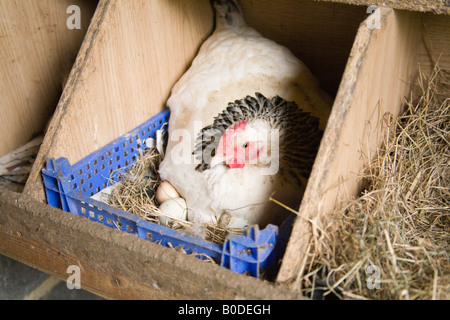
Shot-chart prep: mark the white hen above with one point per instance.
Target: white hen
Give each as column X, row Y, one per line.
column 231, row 108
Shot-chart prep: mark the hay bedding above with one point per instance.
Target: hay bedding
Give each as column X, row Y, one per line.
column 393, row 241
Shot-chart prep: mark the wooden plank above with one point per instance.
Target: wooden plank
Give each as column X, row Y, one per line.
column 133, row 53
column 36, row 49
column 434, row 6
column 378, row 76
column 114, row 264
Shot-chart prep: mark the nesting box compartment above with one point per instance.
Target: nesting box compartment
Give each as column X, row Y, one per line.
column 135, row 51
column 389, row 50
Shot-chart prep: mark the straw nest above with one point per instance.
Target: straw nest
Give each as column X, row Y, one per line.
column 393, row 241
column 136, row 194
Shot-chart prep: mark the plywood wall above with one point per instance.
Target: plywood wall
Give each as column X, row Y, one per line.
column 36, row 51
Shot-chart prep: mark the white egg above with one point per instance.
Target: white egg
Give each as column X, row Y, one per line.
column 173, row 208
column 165, row 192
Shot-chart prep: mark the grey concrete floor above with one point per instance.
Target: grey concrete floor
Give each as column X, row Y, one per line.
column 21, row 282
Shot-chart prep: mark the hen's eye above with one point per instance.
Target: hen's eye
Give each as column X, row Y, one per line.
column 245, row 145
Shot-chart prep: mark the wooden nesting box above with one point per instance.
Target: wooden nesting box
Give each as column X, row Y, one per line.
column 37, row 51
column 382, row 66
column 132, row 55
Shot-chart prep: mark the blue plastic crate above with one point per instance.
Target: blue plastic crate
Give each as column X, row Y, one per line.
column 70, row 188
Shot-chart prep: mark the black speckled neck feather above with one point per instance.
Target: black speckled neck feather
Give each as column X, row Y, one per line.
column 299, row 133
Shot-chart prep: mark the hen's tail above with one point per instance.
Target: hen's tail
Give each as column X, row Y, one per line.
column 228, row 14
